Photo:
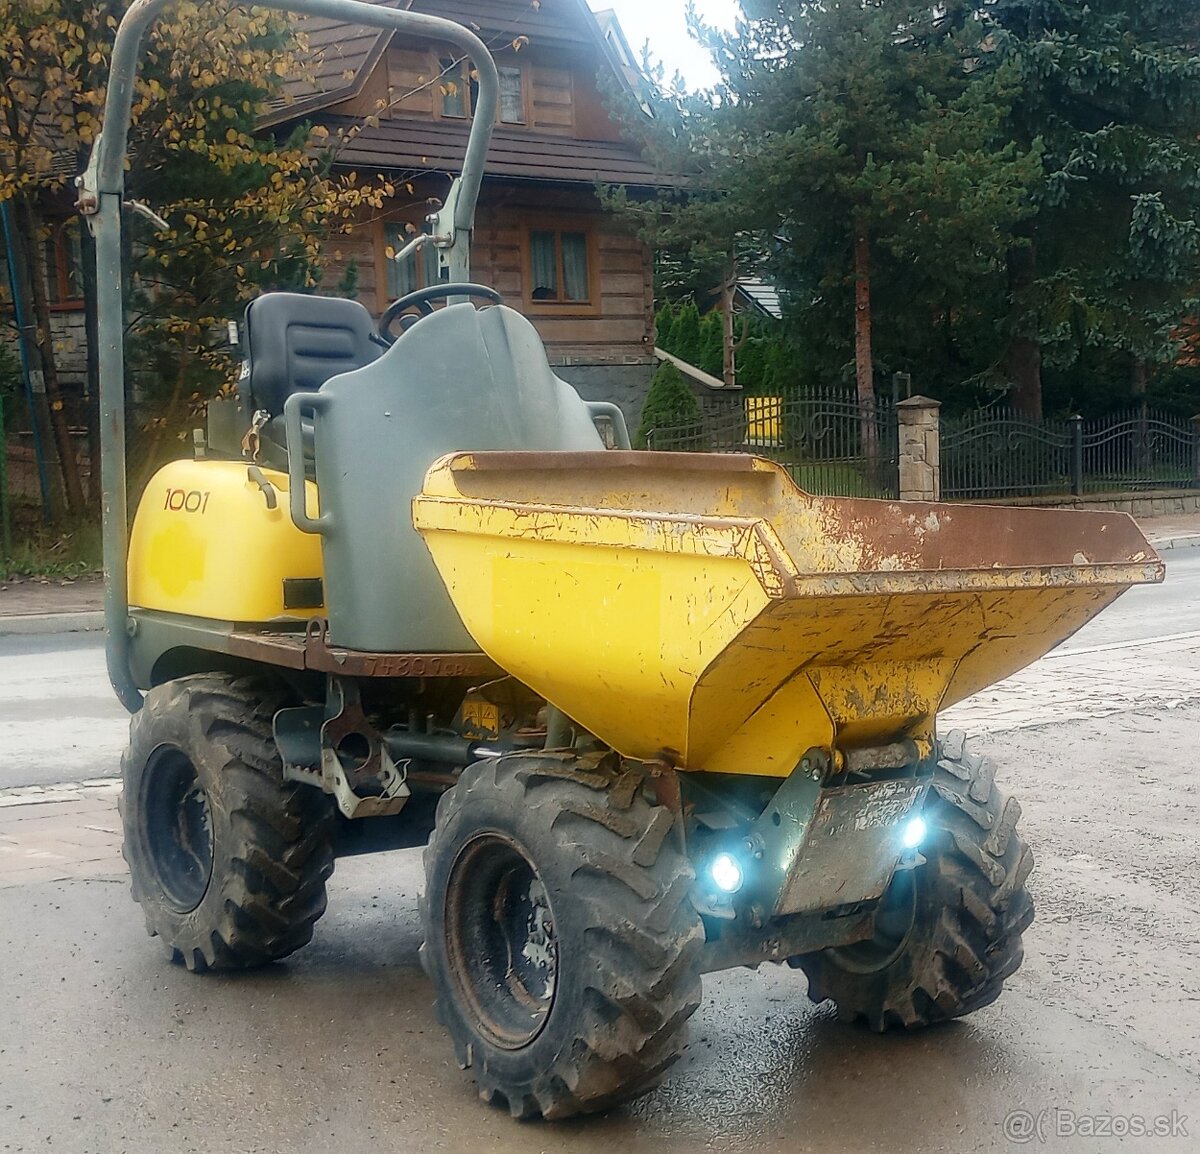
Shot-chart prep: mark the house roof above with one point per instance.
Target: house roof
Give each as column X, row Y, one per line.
column 344, row 55
column 762, row 295
column 695, row 374
column 619, row 48
column 552, row 23
column 519, row 154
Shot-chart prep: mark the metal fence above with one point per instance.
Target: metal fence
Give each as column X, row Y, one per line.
column 1140, row 450
column 829, row 442
column 1000, row 454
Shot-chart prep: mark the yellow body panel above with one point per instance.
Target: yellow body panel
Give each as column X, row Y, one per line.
column 205, row 544
column 706, row 607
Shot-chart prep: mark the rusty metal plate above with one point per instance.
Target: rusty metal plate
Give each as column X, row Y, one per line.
column 851, row 847
column 312, row 651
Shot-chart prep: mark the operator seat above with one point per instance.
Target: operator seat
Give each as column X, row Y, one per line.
column 294, row 343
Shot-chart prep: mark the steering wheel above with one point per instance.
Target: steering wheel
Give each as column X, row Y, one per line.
column 423, row 299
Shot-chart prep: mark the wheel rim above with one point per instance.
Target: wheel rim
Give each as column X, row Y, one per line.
column 894, row 920
column 178, row 834
column 501, row 940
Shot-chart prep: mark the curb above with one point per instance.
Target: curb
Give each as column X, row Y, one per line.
column 1190, row 541
column 24, row 624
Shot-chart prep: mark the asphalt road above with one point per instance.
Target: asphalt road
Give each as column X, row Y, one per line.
column 1149, row 611
column 60, row 722
column 105, row 1046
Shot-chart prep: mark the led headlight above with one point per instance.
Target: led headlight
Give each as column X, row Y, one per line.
column 726, row 873
column 914, row 833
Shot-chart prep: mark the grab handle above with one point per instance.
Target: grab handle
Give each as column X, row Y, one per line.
column 606, row 410
column 299, row 405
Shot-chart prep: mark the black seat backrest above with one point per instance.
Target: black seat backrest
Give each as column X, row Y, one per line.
column 295, row 343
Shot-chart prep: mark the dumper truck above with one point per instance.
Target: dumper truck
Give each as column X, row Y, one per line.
column 651, row 715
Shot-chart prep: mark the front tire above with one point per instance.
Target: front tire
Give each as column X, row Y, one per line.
column 948, row 933
column 228, row 861
column 559, row 935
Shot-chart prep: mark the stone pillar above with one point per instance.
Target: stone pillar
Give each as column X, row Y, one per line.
column 920, row 449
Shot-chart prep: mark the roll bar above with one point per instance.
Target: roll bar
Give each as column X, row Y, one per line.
column 101, row 193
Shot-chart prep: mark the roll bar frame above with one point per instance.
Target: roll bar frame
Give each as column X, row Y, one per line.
column 101, row 197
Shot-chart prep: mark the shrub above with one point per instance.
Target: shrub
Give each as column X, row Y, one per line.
column 669, row 404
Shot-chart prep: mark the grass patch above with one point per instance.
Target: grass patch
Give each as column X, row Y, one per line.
column 59, row 551
column 835, row 479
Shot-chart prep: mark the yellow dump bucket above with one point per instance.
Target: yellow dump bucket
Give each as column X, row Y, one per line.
column 704, row 606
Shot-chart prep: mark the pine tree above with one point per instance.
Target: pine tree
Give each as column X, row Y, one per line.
column 1110, row 263
column 857, row 146
column 670, row 405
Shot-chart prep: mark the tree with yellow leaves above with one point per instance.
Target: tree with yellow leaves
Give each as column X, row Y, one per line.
column 244, row 212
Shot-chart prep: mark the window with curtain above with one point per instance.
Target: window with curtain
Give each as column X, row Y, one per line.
column 416, row 272
column 512, row 96
column 559, row 267
column 459, row 87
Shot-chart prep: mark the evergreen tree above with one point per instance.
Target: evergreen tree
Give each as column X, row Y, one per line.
column 1110, row 263
column 857, row 145
column 670, row 404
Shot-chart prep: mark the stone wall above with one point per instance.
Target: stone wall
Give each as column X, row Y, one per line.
column 70, row 346
column 1151, row 503
column 623, row 385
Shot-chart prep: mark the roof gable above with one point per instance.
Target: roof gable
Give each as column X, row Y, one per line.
column 553, row 23
column 344, row 55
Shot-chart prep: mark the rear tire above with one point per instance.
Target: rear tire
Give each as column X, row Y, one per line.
column 559, row 935
column 948, row 932
column 228, row 861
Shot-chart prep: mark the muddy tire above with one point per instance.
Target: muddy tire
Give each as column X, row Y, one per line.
column 228, row 861
column 562, row 946
column 949, row 932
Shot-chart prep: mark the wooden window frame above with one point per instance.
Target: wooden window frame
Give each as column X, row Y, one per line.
column 464, row 79
column 383, row 294
column 59, row 275
column 560, row 224
column 526, row 99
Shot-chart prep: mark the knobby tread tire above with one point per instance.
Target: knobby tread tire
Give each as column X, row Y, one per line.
column 971, row 909
column 629, row 940
column 272, row 839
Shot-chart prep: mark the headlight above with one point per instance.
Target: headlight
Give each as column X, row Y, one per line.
column 914, row 833
column 726, row 873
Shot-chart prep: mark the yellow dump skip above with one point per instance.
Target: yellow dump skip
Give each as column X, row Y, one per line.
column 704, row 605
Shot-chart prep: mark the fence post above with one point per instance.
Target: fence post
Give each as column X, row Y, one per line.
column 1077, row 456
column 919, row 424
column 1196, row 450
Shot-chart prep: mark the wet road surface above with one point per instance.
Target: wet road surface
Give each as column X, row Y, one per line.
column 105, row 1046
column 59, row 720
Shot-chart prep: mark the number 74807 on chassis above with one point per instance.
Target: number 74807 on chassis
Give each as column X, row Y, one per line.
column 652, row 715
